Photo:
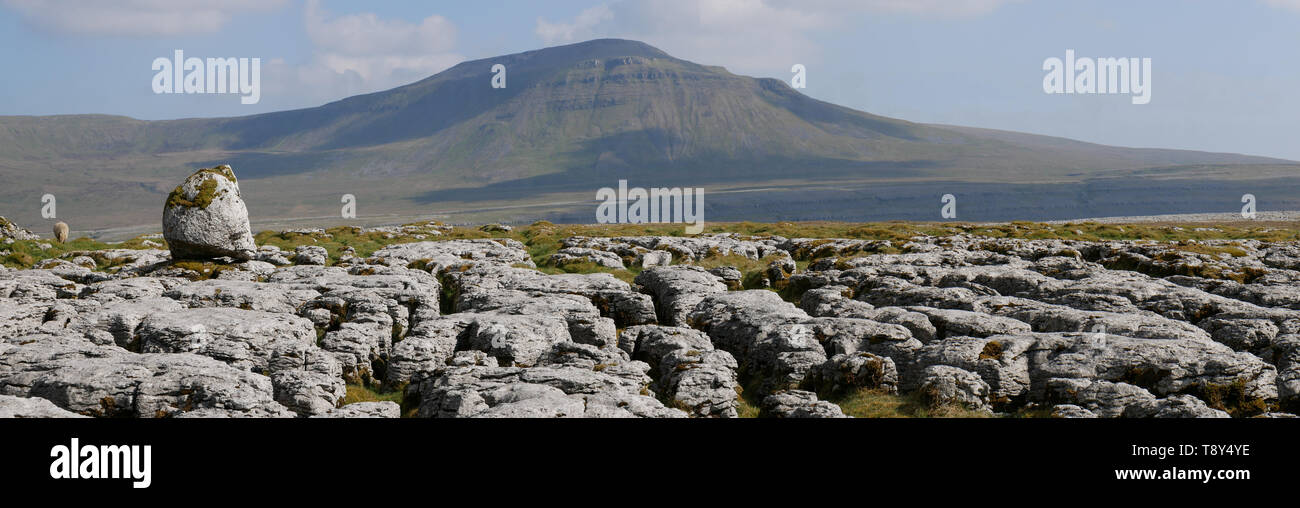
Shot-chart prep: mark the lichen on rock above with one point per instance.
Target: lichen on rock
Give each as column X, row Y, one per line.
column 205, row 217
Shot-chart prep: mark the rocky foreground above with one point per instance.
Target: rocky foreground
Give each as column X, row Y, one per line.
column 472, row 328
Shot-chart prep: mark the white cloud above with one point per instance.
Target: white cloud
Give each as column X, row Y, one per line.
column 581, row 28
column 362, row 53
column 1284, row 4
column 368, row 34
column 377, row 49
column 136, row 17
column 750, row 36
column 920, row 7
column 747, row 35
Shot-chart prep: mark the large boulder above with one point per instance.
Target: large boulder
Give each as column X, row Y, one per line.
column 205, row 217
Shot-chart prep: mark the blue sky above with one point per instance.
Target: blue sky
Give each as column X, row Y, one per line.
column 1225, row 73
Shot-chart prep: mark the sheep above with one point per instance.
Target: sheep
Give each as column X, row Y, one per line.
column 61, row 232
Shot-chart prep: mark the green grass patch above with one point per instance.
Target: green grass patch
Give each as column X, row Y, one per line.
column 870, row 403
column 361, row 393
column 589, row 267
column 25, row 254
column 202, row 270
column 745, row 409
column 1232, row 397
column 542, row 238
column 1234, row 250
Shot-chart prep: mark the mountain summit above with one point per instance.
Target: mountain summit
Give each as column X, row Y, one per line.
column 571, row 119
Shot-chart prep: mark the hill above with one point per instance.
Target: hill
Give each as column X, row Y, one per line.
column 572, row 119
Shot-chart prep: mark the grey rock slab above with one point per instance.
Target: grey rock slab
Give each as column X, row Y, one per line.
column 306, row 379
column 852, row 335
column 845, row 373
column 132, row 288
column 1174, row 406
column 624, row 405
column 310, row 255
column 515, row 340
column 1045, row 317
column 798, row 404
column 438, row 256
column 1285, row 355
column 584, row 255
column 244, row 339
column 954, row 322
column 653, row 258
column 677, row 289
column 1163, row 367
column 96, row 380
column 943, row 385
column 613, row 297
column 704, row 384
column 32, row 407
column 122, row 318
column 18, row 317
column 430, row 346
column 685, row 248
column 1104, row 399
column 833, row 301
column 584, row 319
column 1071, row 411
column 459, row 392
column 689, row 373
column 242, row 295
column 382, row 409
column 33, row 285
column 1003, row 362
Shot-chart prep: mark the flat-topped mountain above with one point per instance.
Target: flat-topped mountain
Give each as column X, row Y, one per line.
column 571, row 119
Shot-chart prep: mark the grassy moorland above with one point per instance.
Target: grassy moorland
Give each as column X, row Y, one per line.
column 543, row 238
